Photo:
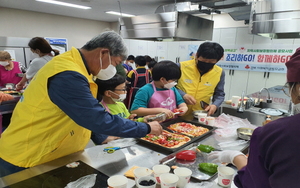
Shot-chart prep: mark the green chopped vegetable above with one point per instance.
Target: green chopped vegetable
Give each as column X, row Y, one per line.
column 206, row 148
column 209, row 168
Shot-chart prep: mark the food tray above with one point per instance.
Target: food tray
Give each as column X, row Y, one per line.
column 192, row 165
column 193, row 139
column 10, row 91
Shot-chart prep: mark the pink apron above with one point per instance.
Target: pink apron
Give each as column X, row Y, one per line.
column 162, row 99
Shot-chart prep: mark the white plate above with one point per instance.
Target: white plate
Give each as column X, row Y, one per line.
column 271, row 111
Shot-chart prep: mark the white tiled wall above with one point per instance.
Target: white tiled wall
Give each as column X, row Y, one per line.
column 228, row 36
column 242, row 36
column 216, row 35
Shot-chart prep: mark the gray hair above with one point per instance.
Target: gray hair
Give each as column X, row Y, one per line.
column 110, row 40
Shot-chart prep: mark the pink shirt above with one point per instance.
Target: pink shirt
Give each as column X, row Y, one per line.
column 10, row 76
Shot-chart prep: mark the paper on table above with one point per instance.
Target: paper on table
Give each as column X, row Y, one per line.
column 87, row 181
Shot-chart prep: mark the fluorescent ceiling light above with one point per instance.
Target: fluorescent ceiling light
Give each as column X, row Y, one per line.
column 119, row 14
column 64, row 4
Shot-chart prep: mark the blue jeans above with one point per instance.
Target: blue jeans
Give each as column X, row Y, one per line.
column 6, row 168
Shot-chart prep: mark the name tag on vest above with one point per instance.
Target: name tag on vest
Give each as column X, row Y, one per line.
column 208, row 84
column 188, row 81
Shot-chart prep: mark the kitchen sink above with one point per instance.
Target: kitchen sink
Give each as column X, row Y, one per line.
column 253, row 115
column 273, row 105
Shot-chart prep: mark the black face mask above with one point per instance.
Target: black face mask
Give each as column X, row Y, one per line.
column 204, row 67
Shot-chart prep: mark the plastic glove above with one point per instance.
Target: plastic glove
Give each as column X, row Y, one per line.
column 226, row 156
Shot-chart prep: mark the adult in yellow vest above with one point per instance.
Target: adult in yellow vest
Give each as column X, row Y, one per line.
column 202, row 79
column 59, row 109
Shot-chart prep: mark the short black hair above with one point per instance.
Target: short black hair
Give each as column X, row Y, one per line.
column 151, row 64
column 210, row 50
column 140, row 60
column 167, row 69
column 148, row 58
column 130, row 57
column 111, row 84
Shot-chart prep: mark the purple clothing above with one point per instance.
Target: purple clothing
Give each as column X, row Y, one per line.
column 10, row 76
column 128, row 67
column 274, row 156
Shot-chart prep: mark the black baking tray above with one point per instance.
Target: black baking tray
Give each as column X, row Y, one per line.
column 193, row 139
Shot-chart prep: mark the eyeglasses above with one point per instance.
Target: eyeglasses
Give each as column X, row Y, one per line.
column 120, row 89
column 286, row 89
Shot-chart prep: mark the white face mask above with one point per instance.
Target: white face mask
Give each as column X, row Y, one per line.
column 121, row 98
column 108, row 73
column 170, row 85
column 130, row 64
column 4, row 63
column 296, row 108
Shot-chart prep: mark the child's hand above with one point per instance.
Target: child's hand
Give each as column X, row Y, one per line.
column 132, row 116
column 183, row 110
column 169, row 113
column 149, row 116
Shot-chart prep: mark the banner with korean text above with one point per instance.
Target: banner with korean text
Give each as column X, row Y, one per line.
column 254, row 57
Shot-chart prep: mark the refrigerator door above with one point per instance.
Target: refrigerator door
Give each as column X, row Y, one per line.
column 17, row 54
column 29, row 56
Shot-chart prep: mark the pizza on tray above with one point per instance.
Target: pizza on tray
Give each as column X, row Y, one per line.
column 167, row 139
column 188, row 129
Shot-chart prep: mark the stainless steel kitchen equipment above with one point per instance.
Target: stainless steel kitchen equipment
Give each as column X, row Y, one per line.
column 175, row 25
column 244, row 133
column 275, row 18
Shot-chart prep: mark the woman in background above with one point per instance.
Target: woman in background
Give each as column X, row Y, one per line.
column 42, row 48
column 10, row 71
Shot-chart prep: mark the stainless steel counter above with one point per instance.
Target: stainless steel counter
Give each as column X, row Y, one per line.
column 110, row 164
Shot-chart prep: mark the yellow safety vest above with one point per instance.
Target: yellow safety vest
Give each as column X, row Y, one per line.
column 200, row 87
column 40, row 131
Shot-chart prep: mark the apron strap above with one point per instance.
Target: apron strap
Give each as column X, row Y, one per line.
column 105, row 106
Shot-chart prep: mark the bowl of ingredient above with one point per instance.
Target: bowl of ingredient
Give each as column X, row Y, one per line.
column 146, row 182
column 196, row 112
column 244, row 133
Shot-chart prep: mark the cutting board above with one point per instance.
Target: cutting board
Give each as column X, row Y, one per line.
column 60, row 177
